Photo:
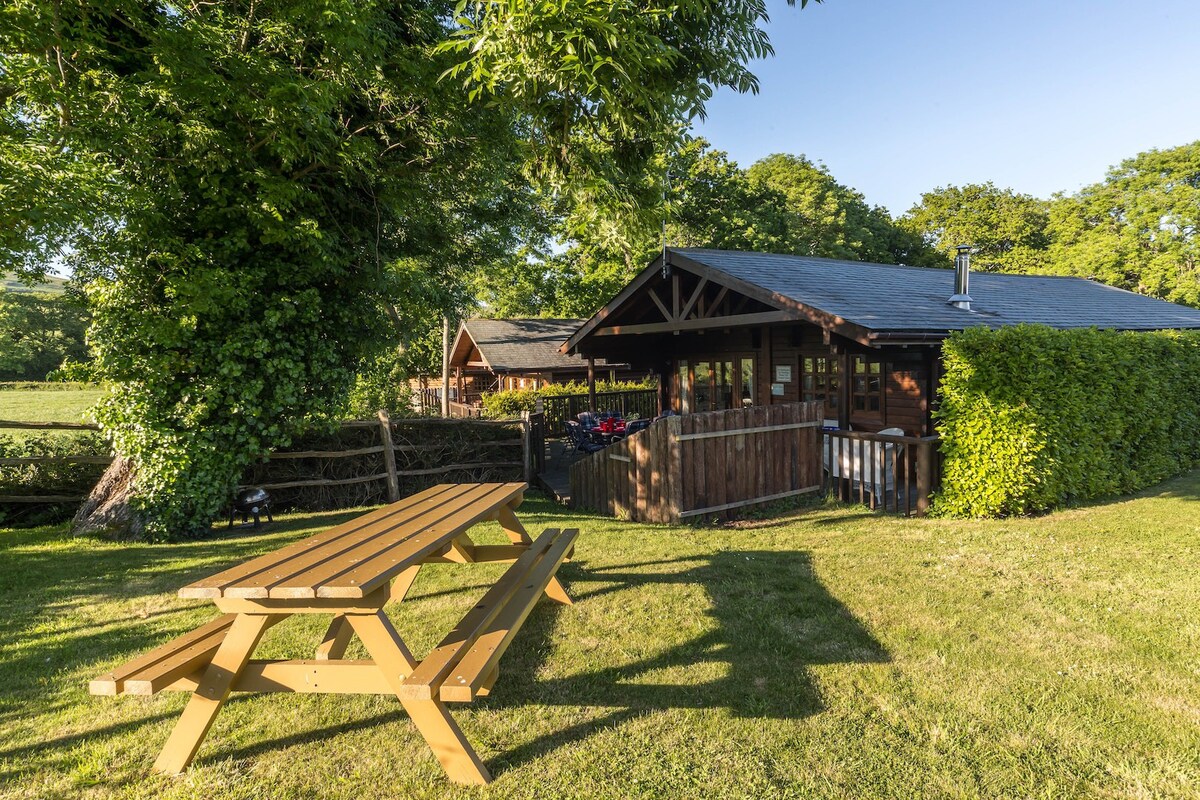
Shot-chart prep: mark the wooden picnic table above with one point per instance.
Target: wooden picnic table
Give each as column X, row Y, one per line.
column 351, row 571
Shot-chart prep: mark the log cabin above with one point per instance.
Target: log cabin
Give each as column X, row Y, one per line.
column 724, row 329
column 490, row 355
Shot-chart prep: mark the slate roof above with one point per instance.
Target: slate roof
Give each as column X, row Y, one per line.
column 887, row 297
column 526, row 345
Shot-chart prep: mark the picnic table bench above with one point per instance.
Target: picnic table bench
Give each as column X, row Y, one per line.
column 351, row 571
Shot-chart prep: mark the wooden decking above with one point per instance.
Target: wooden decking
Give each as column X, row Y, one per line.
column 556, row 477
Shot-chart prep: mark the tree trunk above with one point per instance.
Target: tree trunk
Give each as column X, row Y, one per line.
column 107, row 511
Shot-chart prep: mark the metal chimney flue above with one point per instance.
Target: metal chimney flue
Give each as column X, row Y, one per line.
column 962, row 277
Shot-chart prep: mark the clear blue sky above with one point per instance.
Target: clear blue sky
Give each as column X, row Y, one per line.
column 898, row 97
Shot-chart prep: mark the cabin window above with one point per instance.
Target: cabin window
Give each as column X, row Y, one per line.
column 714, row 385
column 683, row 387
column 747, row 365
column 866, row 389
column 820, row 381
column 702, row 387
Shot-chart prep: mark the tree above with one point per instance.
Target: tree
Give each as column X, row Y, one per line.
column 250, row 172
column 1010, row 229
column 827, row 219
column 38, row 330
column 1137, row 229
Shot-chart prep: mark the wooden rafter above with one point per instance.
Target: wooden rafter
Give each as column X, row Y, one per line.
column 666, row 314
column 687, row 308
column 760, row 318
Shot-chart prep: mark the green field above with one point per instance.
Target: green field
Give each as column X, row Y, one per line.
column 50, row 403
column 832, row 654
column 52, row 284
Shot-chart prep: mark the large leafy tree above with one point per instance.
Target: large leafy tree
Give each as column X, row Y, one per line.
column 1138, row 229
column 828, row 219
column 246, row 185
column 1009, row 229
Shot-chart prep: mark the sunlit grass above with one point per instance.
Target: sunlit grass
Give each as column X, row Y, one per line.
column 49, row 405
column 832, row 654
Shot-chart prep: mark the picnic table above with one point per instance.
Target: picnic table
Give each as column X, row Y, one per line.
column 350, row 572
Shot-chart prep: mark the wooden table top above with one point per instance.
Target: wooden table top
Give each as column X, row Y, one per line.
column 357, row 557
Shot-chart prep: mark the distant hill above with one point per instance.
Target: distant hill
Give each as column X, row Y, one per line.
column 52, row 284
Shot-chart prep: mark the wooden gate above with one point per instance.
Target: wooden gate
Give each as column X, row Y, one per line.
column 704, row 464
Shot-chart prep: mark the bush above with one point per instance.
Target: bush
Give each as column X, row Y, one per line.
column 1032, row 417
column 511, row 402
column 71, row 371
column 52, row 478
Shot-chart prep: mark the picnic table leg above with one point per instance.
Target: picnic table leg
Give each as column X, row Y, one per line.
column 430, row 717
column 338, row 636
column 518, row 535
column 212, row 691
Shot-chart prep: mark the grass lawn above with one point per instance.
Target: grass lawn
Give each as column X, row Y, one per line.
column 831, row 654
column 48, row 405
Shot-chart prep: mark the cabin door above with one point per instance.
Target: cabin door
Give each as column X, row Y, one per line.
column 716, row 384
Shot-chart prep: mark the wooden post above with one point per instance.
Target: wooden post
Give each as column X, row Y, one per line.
column 389, row 456
column 592, row 384
column 844, row 383
column 675, row 474
column 446, row 366
column 924, row 476
column 527, row 446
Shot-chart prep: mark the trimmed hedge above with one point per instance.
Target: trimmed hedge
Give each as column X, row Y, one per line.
column 1032, row 417
column 511, row 402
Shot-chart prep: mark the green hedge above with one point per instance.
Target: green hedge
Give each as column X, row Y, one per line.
column 511, row 402
column 1032, row 417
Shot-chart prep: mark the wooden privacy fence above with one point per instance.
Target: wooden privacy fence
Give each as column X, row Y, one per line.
column 892, row 473
column 704, row 464
column 560, row 408
column 361, row 462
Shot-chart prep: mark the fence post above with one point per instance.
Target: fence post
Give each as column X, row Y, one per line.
column 674, row 470
column 924, row 476
column 389, row 455
column 527, row 446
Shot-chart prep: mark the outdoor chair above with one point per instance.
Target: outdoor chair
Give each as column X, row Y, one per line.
column 580, row 441
column 588, row 420
column 637, row 425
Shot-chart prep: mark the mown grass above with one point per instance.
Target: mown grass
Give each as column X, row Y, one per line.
column 832, row 654
column 48, row 404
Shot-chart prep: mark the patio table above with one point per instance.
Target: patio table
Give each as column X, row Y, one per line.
column 351, row 571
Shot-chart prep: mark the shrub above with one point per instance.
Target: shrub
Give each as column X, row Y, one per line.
column 1032, row 417
column 511, row 402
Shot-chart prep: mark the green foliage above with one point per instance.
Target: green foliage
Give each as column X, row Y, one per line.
column 782, row 204
column 381, row 383
column 511, row 402
column 1008, row 228
column 1139, row 229
column 827, row 219
column 48, row 478
column 38, row 331
column 1032, row 418
column 73, row 372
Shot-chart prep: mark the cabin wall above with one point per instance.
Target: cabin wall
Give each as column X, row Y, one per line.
column 868, row 388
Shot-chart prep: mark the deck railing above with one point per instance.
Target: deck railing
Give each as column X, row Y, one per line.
column 882, row 471
column 563, row 407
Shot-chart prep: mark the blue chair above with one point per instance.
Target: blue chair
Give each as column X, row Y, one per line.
column 637, row 425
column 588, row 421
column 580, row 440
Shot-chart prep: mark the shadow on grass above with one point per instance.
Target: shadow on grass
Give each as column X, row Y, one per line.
column 769, row 619
column 44, row 578
column 772, row 620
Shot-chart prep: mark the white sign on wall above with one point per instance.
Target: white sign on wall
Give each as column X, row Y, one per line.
column 783, row 374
